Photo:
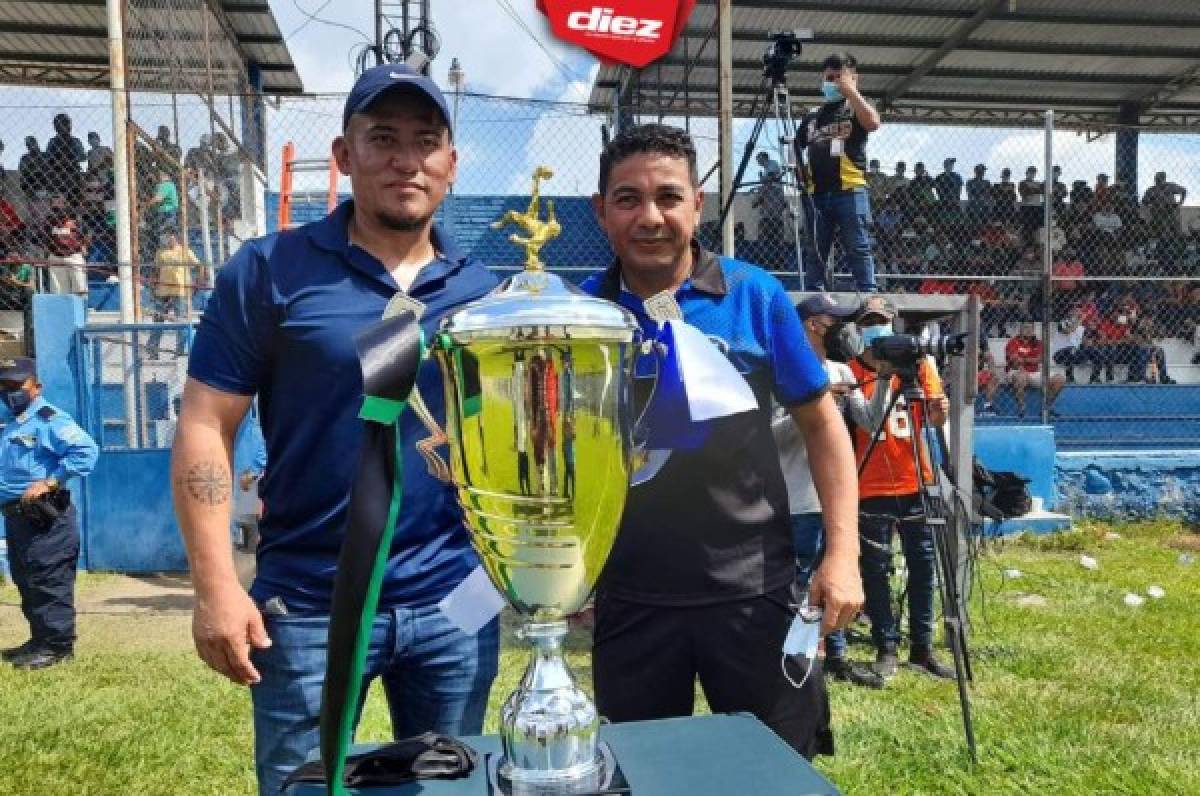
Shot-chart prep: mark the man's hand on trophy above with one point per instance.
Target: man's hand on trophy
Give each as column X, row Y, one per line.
column 837, row 588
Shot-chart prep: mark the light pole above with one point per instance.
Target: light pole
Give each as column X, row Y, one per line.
column 457, row 79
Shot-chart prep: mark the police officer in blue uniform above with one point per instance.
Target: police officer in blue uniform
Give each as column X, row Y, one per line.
column 41, row 447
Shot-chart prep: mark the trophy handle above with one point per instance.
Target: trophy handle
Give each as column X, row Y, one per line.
column 437, row 437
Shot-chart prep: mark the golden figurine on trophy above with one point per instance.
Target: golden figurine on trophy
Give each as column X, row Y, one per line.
column 539, row 232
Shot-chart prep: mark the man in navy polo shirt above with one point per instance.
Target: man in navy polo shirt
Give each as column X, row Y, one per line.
column 281, row 325
column 699, row 580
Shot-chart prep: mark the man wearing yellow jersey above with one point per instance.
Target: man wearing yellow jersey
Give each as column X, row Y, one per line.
column 832, row 145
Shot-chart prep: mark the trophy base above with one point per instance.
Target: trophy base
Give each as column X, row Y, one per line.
column 606, row 779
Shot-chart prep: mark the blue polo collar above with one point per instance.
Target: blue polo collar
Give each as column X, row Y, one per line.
column 707, row 275
column 332, row 235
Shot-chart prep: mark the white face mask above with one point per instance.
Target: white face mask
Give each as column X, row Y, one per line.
column 872, row 333
column 803, row 638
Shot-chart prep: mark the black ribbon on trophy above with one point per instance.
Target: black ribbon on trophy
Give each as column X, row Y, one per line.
column 390, row 354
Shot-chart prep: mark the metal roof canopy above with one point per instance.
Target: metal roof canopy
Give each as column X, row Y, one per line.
column 1097, row 63
column 65, row 44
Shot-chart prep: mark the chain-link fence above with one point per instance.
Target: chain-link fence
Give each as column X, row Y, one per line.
column 133, row 402
column 1111, row 295
column 1112, row 292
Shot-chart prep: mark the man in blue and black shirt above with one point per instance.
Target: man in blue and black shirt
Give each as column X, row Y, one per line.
column 699, row 581
column 41, row 449
column 281, row 325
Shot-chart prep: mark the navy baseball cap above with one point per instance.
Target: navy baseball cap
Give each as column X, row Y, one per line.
column 823, row 304
column 18, row 369
column 378, row 79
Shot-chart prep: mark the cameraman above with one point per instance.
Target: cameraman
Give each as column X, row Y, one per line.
column 823, row 321
column 835, row 137
column 889, row 497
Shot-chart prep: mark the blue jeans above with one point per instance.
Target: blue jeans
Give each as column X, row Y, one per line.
column 878, row 518
column 435, row 678
column 846, row 215
column 808, row 536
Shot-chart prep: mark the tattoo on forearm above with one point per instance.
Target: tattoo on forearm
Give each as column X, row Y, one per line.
column 206, row 482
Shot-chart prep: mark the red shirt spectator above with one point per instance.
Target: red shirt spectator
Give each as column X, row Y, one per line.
column 1023, row 352
column 1110, row 331
column 10, row 222
column 938, row 287
column 64, row 236
column 1066, row 267
column 986, row 291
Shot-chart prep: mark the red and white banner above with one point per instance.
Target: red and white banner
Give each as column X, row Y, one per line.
column 633, row 32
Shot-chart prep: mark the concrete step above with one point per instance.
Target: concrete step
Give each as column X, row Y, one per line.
column 1036, row 522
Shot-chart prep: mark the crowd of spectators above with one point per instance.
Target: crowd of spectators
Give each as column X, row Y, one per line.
column 58, row 215
column 1126, row 271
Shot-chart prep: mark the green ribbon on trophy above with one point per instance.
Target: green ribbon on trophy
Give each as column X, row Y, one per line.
column 390, row 354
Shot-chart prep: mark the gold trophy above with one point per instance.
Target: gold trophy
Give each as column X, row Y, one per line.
column 538, row 380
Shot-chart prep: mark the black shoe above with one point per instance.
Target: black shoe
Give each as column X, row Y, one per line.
column 923, row 660
column 16, row 652
column 848, row 671
column 886, row 661
column 42, row 659
column 1070, row 377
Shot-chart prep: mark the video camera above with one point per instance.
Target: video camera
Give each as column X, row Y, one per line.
column 903, row 351
column 785, row 45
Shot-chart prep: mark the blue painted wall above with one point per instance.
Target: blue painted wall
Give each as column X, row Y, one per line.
column 55, row 319
column 132, row 527
column 1130, row 484
column 1028, row 451
column 1106, row 416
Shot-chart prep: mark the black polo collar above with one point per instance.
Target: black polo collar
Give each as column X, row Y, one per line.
column 707, row 275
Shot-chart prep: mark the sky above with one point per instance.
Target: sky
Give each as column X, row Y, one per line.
column 506, row 49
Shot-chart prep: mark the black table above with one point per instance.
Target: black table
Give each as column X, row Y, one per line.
column 726, row 755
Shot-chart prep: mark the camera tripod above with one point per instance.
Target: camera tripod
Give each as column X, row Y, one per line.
column 942, row 522
column 774, row 84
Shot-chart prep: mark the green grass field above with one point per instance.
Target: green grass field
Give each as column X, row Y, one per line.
column 1082, row 695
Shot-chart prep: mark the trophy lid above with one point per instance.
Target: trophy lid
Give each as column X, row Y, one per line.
column 531, row 301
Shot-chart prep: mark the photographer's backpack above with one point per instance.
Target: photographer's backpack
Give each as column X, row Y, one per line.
column 1001, row 492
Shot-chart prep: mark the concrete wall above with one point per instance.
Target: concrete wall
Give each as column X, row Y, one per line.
column 1136, row 484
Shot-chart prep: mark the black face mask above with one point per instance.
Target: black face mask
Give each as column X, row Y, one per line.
column 17, row 400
